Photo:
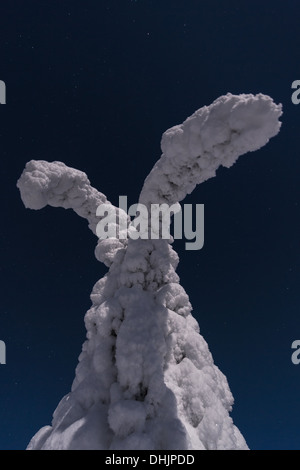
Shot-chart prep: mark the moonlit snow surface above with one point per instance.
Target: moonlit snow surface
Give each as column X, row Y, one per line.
column 145, row 377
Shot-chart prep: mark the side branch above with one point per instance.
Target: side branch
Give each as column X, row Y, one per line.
column 214, row 135
column 55, row 184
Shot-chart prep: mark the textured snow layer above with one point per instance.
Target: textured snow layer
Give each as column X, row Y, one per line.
column 145, row 377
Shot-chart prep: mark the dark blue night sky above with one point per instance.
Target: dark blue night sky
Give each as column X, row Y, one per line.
column 95, row 84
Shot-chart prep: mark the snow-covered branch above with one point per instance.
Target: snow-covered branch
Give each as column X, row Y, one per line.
column 58, row 185
column 214, row 135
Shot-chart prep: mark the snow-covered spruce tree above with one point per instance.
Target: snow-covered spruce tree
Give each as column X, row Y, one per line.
column 145, row 377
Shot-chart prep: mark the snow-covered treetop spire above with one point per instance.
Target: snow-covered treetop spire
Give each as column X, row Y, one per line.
column 146, row 378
